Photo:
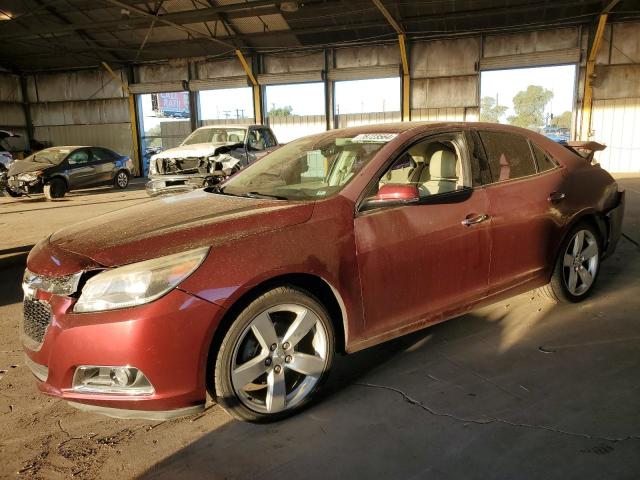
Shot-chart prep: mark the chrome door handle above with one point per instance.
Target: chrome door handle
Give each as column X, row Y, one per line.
column 556, row 197
column 473, row 220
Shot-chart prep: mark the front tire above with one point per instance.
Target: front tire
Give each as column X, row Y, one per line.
column 275, row 356
column 12, row 193
column 577, row 266
column 55, row 188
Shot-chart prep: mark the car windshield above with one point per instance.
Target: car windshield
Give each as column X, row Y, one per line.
column 310, row 168
column 216, row 135
column 53, row 156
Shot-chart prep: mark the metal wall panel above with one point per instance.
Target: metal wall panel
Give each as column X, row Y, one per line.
column 533, row 59
column 355, row 119
column 219, row 83
column 221, row 68
column 12, row 115
column 530, row 42
column 616, row 81
column 69, row 86
column 616, row 123
column 81, row 113
column 626, row 39
column 10, row 88
column 162, row 73
column 363, row 73
column 367, row 56
column 284, row 78
column 294, row 63
column 444, row 58
column 114, row 136
column 157, row 87
column 445, row 92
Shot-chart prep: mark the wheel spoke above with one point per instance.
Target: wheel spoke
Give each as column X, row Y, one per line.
column 248, row 371
column 305, row 321
column 579, row 240
column 568, row 260
column 307, row 364
column 590, row 251
column 573, row 280
column 585, row 276
column 276, row 392
column 262, row 328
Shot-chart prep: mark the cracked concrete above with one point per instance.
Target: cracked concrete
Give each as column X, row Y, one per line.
column 486, row 421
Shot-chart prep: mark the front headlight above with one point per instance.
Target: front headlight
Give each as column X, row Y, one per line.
column 138, row 283
column 29, row 177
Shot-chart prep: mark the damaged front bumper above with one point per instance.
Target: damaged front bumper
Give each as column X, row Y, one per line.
column 24, row 187
column 165, row 184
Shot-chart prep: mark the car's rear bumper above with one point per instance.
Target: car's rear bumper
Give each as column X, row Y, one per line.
column 162, row 184
column 614, row 220
column 167, row 340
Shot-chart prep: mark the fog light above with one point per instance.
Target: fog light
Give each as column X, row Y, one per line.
column 116, row 380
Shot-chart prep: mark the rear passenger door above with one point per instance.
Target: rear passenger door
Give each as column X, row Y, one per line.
column 522, row 205
column 104, row 162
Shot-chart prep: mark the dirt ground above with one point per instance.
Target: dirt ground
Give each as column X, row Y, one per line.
column 521, row 389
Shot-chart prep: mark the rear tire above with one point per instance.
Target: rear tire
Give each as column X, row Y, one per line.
column 55, row 188
column 577, row 266
column 275, row 356
column 121, row 180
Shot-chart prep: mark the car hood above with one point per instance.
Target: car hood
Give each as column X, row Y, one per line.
column 195, row 150
column 177, row 223
column 24, row 166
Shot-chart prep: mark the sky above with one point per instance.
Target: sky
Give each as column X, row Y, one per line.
column 507, row 83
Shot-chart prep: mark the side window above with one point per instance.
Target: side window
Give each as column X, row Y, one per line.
column 509, row 155
column 102, row 155
column 542, row 159
column 268, row 138
column 434, row 166
column 255, row 140
column 79, row 157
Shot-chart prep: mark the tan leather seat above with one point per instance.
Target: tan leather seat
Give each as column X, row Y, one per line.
column 443, row 173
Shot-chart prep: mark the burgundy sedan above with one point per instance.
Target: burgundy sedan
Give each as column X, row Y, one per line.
column 333, row 243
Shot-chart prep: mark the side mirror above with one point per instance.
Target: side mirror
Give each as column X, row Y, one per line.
column 393, row 195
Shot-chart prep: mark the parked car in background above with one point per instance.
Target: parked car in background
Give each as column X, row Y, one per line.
column 208, row 156
column 57, row 170
column 332, row 243
column 5, row 155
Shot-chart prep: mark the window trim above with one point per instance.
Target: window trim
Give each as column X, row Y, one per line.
column 532, row 144
column 466, row 168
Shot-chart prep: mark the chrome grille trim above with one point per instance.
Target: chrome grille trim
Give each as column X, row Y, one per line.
column 37, row 318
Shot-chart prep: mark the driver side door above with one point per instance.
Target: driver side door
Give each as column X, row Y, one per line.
column 421, row 262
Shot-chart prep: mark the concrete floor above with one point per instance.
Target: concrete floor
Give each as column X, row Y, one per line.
column 521, row 389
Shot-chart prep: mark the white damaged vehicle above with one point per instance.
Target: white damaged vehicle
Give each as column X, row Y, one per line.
column 208, row 156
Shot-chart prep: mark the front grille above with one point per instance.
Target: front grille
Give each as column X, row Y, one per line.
column 37, row 317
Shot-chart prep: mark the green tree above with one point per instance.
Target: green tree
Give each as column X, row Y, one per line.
column 490, row 111
column 529, row 107
column 280, row 111
column 562, row 121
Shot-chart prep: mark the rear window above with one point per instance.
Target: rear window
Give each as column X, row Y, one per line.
column 542, row 159
column 103, row 155
column 509, row 155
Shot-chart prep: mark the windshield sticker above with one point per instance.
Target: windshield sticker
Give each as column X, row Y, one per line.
column 374, row 137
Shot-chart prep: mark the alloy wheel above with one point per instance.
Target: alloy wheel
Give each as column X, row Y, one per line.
column 580, row 263
column 122, row 180
column 279, row 358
